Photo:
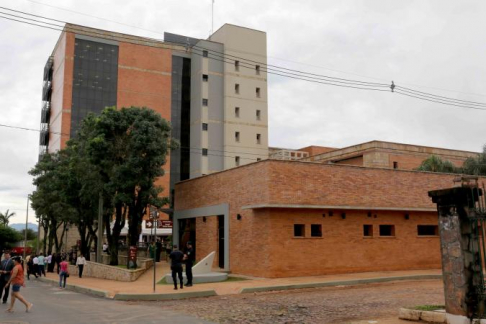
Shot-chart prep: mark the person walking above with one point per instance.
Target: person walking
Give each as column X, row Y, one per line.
column 80, row 262
column 158, row 250
column 189, row 260
column 41, row 265
column 49, row 262
column 6, row 267
column 30, row 267
column 64, row 273
column 176, row 266
column 17, row 281
column 58, row 261
column 36, row 264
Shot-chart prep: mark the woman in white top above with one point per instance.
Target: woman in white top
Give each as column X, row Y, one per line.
column 80, row 262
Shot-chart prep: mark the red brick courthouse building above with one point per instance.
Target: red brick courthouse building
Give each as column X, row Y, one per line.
column 277, row 218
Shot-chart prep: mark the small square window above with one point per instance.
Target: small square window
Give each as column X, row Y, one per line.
column 299, row 230
column 387, row 230
column 204, row 126
column 237, row 88
column 237, row 112
column 205, row 102
column 259, row 138
column 205, row 53
column 205, row 152
column 367, row 230
column 257, row 69
column 237, row 160
column 427, row 230
column 205, row 78
column 258, row 159
column 258, row 92
column 237, row 136
column 237, row 65
column 258, row 115
column 395, row 165
column 316, row 230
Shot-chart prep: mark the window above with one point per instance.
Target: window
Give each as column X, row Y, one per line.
column 237, row 112
column 316, row 230
column 205, row 102
column 258, row 159
column 299, row 230
column 205, row 53
column 258, row 92
column 395, row 165
column 237, row 88
column 237, row 65
column 257, row 69
column 258, row 114
column 387, row 230
column 258, row 138
column 204, row 126
column 368, row 230
column 427, row 230
column 237, row 160
column 205, row 152
column 205, row 77
column 237, row 136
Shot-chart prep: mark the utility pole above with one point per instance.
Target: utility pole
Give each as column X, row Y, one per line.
column 99, row 244
column 26, row 224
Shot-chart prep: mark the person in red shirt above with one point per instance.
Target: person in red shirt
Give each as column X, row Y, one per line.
column 64, row 266
column 17, row 280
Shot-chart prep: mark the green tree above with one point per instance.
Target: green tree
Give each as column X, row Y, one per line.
column 130, row 147
column 8, row 236
column 5, row 218
column 31, row 234
column 435, row 164
column 476, row 165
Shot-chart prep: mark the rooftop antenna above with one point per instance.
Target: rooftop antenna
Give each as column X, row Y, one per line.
column 212, row 17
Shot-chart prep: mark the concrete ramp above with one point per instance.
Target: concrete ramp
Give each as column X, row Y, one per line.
column 202, row 272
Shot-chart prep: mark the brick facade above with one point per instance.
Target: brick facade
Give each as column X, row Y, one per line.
column 271, row 196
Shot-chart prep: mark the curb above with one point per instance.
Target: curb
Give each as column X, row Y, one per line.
column 155, row 297
column 426, row 316
column 79, row 289
column 337, row 283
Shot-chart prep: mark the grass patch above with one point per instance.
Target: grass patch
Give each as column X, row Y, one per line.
column 429, row 307
column 230, row 279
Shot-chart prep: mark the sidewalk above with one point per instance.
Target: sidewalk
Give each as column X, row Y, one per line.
column 143, row 287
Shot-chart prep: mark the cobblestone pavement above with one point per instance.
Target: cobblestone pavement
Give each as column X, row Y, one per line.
column 364, row 304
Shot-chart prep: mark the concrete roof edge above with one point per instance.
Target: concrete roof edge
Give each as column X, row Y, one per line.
column 304, row 206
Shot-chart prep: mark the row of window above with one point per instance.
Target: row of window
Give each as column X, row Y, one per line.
column 237, row 64
column 237, row 158
column 258, row 138
column 384, row 230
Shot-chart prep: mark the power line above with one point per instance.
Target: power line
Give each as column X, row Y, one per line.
column 299, row 75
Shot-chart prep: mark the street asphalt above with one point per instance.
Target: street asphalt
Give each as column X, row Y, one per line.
column 53, row 306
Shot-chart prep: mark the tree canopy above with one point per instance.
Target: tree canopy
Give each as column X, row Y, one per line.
column 5, row 217
column 435, row 164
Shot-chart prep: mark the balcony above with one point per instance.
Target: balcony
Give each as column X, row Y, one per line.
column 47, row 91
column 48, row 68
column 44, row 136
column 46, row 112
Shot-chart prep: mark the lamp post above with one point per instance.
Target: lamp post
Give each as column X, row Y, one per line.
column 154, row 216
column 26, row 225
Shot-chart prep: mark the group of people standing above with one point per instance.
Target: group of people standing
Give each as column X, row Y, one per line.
column 178, row 258
column 12, row 274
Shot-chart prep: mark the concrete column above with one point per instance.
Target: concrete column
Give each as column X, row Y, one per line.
column 459, row 251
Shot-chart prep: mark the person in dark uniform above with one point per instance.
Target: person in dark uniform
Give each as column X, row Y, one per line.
column 158, row 250
column 189, row 258
column 176, row 266
column 5, row 271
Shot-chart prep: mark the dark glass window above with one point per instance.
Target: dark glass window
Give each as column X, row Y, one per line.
column 299, row 230
column 367, row 230
column 205, row 152
column 205, row 53
column 204, row 126
column 95, row 79
column 316, row 230
column 205, row 102
column 427, row 230
column 205, row 78
column 387, row 230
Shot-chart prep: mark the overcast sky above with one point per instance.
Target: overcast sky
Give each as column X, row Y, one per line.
column 431, row 46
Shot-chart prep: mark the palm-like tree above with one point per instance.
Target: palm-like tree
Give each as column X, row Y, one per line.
column 5, row 218
column 435, row 164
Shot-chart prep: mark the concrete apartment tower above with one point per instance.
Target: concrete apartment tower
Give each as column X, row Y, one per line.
column 229, row 105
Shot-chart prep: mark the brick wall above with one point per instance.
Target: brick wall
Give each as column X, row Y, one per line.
column 207, row 238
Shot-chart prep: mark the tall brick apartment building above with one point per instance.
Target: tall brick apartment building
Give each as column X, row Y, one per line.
column 361, row 208
column 214, row 98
